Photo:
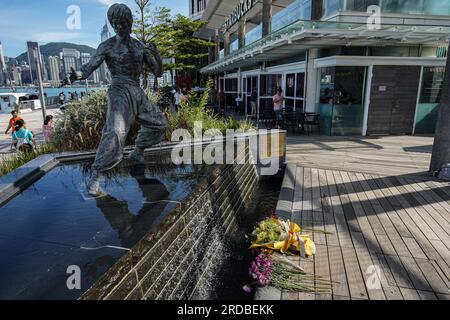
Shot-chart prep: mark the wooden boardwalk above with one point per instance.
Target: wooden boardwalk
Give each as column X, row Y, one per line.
column 382, row 237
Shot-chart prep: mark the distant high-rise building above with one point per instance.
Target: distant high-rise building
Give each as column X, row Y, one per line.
column 95, row 76
column 70, row 59
column 25, row 73
column 105, row 35
column 3, row 67
column 34, row 53
column 15, row 75
column 53, row 65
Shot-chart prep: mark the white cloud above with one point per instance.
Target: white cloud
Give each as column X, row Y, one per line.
column 111, row 2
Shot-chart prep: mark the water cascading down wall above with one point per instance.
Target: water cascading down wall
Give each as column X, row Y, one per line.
column 177, row 261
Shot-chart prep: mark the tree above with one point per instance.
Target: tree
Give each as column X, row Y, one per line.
column 145, row 21
column 441, row 148
column 174, row 37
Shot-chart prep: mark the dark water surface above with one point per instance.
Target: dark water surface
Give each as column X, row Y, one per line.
column 43, row 229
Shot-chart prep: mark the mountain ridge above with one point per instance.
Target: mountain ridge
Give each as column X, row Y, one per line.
column 54, row 48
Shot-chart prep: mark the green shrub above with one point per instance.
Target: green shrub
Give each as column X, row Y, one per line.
column 194, row 110
column 11, row 163
column 80, row 127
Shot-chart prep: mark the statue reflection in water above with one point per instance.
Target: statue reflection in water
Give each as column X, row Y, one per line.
column 132, row 228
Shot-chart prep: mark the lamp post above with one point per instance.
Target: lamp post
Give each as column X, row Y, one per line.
column 39, row 77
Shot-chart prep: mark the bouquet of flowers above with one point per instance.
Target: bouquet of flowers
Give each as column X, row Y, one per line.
column 279, row 235
column 271, row 268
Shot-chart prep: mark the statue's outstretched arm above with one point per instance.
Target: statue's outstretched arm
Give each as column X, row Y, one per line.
column 96, row 61
column 153, row 59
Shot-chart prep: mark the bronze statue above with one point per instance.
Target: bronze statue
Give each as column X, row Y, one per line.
column 126, row 57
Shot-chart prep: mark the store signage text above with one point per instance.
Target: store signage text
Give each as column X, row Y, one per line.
column 241, row 10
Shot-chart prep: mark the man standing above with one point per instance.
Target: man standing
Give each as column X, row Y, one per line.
column 126, row 57
column 12, row 121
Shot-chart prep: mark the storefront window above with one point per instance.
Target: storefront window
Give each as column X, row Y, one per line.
column 231, row 85
column 290, row 85
column 340, row 100
column 430, row 97
column 295, row 84
column 300, row 89
column 269, row 84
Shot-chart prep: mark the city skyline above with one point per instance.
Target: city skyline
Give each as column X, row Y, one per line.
column 20, row 19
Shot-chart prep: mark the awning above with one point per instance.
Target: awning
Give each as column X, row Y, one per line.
column 302, row 35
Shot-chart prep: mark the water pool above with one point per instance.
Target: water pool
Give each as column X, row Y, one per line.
column 53, row 225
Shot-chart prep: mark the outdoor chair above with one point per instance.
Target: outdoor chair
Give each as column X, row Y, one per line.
column 311, row 121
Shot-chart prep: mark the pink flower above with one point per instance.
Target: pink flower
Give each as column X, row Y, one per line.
column 247, row 289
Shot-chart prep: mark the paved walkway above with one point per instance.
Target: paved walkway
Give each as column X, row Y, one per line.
column 382, row 227
column 34, row 123
column 387, row 155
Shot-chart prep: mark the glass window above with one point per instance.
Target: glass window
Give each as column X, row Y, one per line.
column 290, row 85
column 231, row 85
column 430, row 7
column 430, row 97
column 298, row 10
column 341, row 100
column 330, row 7
column 300, row 90
column 395, row 51
column 269, row 84
column 289, row 105
column 433, row 80
column 253, row 35
column 299, row 106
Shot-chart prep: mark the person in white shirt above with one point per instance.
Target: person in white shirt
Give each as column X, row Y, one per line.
column 178, row 98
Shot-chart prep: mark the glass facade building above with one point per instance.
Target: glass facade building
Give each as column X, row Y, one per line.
column 327, row 60
column 417, row 7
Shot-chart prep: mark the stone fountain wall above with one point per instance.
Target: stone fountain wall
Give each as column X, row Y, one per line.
column 177, row 261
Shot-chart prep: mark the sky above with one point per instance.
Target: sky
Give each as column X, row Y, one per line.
column 47, row 21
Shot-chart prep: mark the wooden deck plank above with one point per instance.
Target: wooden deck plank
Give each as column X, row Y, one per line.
column 298, row 192
column 357, row 197
column 410, row 294
column 354, row 276
column 327, row 209
column 317, row 214
column 439, row 200
column 365, row 262
column 322, row 267
column 439, row 285
column 399, row 272
column 349, row 212
column 375, row 221
column 427, row 295
column 385, row 219
column 434, row 220
column 388, row 283
column 337, row 272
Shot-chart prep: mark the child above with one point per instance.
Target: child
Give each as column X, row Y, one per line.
column 47, row 128
column 22, row 138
